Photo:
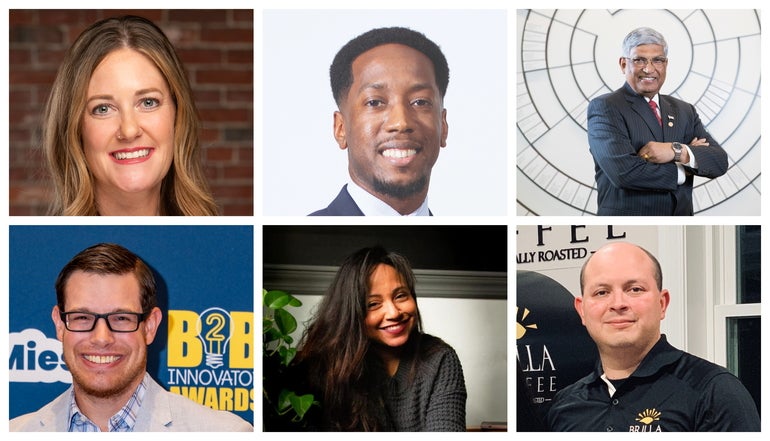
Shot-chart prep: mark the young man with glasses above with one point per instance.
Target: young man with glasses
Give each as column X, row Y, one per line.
column 106, row 316
column 646, row 146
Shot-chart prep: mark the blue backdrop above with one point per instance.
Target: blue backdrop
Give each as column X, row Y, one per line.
column 205, row 347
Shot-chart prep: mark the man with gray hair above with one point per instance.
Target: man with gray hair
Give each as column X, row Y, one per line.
column 646, row 146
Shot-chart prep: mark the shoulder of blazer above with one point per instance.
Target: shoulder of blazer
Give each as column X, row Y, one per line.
column 342, row 205
column 628, row 93
column 676, row 102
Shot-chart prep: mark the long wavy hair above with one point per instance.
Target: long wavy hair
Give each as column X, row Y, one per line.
column 184, row 190
column 336, row 352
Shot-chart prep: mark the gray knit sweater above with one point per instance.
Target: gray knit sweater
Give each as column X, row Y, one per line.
column 434, row 400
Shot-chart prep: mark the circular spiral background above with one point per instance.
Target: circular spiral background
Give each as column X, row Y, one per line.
column 568, row 57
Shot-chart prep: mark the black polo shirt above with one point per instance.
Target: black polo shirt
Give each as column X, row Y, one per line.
column 671, row 390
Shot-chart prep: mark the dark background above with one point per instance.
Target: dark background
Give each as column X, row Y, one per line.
column 465, row 248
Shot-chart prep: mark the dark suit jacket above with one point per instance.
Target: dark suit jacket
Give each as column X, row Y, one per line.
column 619, row 125
column 342, row 205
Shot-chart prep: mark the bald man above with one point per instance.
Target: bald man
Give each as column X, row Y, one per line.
column 641, row 383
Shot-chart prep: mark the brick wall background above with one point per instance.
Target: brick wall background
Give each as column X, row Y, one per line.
column 216, row 47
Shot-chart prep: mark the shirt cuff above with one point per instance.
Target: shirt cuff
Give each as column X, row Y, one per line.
column 693, row 163
column 680, row 175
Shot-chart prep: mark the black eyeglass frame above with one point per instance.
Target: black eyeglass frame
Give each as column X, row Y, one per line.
column 140, row 315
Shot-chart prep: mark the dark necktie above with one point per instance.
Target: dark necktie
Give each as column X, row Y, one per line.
column 654, row 107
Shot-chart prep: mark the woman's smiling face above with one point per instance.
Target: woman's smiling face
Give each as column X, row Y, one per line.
column 128, row 125
column 391, row 308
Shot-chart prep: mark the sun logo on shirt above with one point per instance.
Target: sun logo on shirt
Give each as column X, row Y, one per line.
column 521, row 329
column 648, row 416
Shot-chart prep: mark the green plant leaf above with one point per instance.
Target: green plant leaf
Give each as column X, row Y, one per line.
column 287, row 355
column 301, row 404
column 276, row 299
column 285, row 322
column 277, row 326
column 284, row 402
column 271, row 335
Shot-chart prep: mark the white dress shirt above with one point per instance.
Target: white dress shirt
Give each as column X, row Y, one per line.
column 371, row 205
column 680, row 174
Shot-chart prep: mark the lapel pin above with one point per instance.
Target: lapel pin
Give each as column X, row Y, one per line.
column 670, row 124
column 670, row 121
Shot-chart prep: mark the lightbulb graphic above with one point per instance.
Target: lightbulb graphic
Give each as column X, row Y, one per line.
column 214, row 327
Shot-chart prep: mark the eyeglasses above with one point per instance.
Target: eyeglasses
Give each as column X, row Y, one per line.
column 116, row 321
column 642, row 62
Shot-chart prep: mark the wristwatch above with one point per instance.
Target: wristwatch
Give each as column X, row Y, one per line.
column 677, row 151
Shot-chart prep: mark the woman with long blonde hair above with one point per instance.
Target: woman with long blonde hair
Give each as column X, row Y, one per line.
column 121, row 128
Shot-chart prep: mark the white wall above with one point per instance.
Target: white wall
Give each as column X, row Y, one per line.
column 304, row 168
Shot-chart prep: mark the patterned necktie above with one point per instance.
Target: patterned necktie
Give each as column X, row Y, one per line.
column 654, row 107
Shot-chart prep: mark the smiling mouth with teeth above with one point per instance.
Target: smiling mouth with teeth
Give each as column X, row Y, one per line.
column 398, row 153
column 141, row 153
column 396, row 326
column 101, row 359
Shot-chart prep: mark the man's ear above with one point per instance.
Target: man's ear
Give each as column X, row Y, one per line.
column 665, row 299
column 444, row 128
column 623, row 62
column 579, row 308
column 339, row 130
column 57, row 322
column 151, row 324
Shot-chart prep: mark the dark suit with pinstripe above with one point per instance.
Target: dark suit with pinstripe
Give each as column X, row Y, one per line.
column 619, row 125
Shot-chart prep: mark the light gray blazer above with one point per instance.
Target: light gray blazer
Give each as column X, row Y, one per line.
column 161, row 411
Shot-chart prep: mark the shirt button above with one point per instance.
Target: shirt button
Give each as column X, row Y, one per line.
column 610, row 429
column 615, row 402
